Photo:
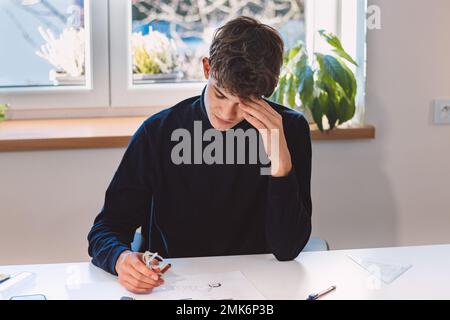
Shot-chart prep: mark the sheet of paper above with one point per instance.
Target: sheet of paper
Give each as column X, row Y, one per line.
column 383, row 270
column 213, row 286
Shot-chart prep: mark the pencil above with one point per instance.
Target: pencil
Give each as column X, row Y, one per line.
column 166, row 267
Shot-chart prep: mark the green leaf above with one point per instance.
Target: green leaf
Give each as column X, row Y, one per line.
column 337, row 46
column 332, row 114
column 329, row 86
column 353, row 84
column 282, row 90
column 319, row 108
column 291, row 53
column 292, row 91
column 339, row 50
column 305, row 76
column 333, row 68
column 346, row 110
column 317, row 113
column 3, row 108
column 329, row 91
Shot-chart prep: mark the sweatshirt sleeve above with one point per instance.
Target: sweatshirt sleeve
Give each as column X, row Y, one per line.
column 127, row 201
column 288, row 226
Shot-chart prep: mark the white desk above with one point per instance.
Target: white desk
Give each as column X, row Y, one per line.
column 429, row 277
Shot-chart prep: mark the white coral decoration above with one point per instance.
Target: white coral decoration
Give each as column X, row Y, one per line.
column 67, row 52
column 160, row 49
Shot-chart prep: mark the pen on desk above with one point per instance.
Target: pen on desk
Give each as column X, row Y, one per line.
column 4, row 277
column 315, row 296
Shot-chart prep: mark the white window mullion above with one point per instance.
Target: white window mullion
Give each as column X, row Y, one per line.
column 320, row 14
column 353, row 26
column 361, row 59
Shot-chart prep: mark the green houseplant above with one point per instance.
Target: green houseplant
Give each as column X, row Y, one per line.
column 3, row 108
column 326, row 86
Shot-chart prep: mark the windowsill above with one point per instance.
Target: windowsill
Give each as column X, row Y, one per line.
column 354, row 132
column 114, row 132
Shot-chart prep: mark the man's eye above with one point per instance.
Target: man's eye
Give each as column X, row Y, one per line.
column 220, row 97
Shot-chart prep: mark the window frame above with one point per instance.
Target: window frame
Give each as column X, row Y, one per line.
column 123, row 92
column 96, row 90
column 111, row 91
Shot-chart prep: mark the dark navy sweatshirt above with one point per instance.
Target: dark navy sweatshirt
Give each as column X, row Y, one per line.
column 193, row 210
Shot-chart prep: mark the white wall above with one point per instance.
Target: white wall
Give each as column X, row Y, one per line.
column 393, row 190
column 49, row 200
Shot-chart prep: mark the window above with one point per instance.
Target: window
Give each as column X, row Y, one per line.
column 168, row 39
column 143, row 55
column 346, row 19
column 54, row 54
column 45, row 42
column 185, row 28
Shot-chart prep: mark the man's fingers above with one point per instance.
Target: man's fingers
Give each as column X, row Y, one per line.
column 140, row 266
column 135, row 274
column 254, row 121
column 256, row 106
column 137, row 282
column 260, row 103
column 267, row 107
column 135, row 289
column 155, row 266
column 131, row 282
column 155, row 262
column 259, row 116
column 156, row 269
column 141, row 282
column 267, row 119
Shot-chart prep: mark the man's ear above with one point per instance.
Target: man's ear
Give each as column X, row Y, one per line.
column 206, row 67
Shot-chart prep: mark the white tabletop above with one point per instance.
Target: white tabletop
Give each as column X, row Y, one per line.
column 428, row 278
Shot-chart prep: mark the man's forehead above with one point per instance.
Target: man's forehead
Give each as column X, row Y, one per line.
column 227, row 92
column 221, row 89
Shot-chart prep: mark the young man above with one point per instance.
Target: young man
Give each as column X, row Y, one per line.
column 198, row 207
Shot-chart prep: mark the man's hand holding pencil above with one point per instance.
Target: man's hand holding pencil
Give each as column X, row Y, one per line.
column 135, row 275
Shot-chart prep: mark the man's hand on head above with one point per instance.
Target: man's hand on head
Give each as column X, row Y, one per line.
column 270, row 125
column 134, row 275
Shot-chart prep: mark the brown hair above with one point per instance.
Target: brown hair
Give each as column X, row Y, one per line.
column 246, row 57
